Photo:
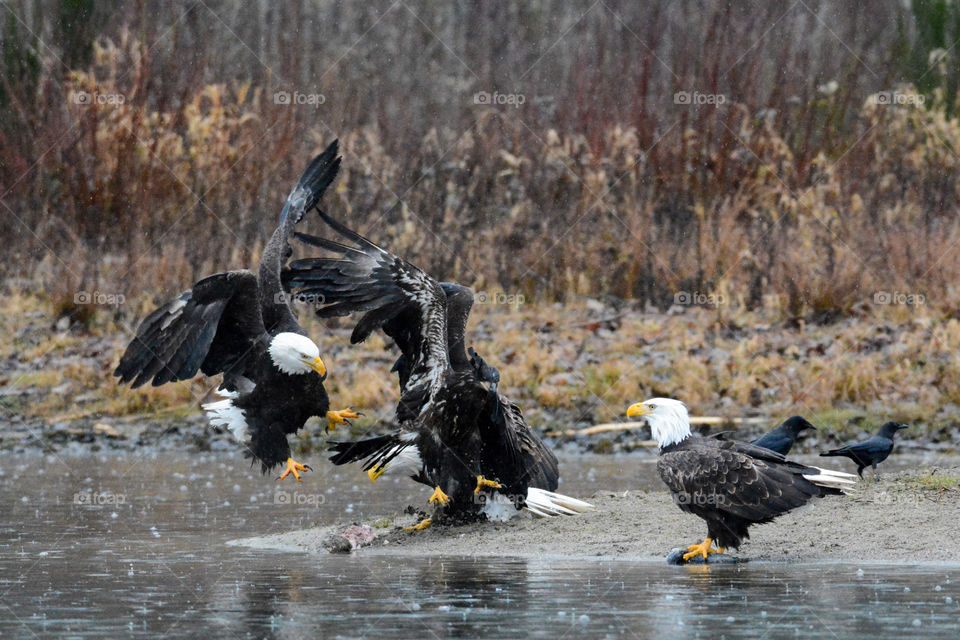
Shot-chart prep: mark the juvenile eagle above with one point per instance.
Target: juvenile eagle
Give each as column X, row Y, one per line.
column 241, row 325
column 732, row 485
column 458, row 433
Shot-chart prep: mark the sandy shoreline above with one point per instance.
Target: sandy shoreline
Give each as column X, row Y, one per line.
column 900, row 518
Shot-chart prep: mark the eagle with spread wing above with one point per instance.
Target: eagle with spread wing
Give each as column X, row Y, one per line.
column 458, row 434
column 241, row 325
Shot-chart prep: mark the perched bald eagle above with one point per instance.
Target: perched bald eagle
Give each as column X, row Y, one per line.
column 732, row 485
column 458, row 433
column 241, row 325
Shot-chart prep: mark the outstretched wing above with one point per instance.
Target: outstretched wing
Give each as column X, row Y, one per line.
column 278, row 315
column 212, row 327
column 723, row 478
column 390, row 292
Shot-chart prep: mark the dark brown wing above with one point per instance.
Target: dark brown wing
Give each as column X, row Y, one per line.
column 536, row 466
column 213, row 327
column 278, row 315
column 389, row 292
column 717, row 476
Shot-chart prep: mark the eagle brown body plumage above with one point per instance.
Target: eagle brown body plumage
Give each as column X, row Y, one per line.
column 733, row 485
column 235, row 323
column 455, row 426
column 730, row 485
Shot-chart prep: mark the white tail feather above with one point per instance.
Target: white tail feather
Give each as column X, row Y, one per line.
column 831, row 479
column 223, row 413
column 546, row 504
column 838, row 474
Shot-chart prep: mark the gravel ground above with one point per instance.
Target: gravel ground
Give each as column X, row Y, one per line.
column 897, row 518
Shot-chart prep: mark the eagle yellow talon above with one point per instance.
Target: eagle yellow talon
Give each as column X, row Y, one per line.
column 375, row 472
column 423, row 524
column 439, row 497
column 341, row 417
column 484, row 483
column 702, row 549
column 293, row 467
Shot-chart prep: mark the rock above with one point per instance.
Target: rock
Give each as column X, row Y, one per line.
column 353, row 537
column 335, row 543
column 675, row 557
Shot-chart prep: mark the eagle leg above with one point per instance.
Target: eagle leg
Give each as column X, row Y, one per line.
column 293, row 467
column 420, row 526
column 340, row 417
column 439, row 498
column 704, row 549
column 483, row 483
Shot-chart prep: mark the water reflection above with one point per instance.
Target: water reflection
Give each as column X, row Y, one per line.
column 156, row 564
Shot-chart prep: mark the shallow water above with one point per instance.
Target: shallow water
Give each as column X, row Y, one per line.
column 118, row 545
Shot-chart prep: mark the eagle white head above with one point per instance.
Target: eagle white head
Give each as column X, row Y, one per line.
column 295, row 354
column 668, row 419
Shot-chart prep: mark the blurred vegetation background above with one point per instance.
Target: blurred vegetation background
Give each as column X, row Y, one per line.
column 141, row 144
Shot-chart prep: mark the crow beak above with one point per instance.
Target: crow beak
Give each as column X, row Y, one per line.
column 637, row 409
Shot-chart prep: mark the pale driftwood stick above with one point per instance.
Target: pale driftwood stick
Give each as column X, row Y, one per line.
column 629, row 426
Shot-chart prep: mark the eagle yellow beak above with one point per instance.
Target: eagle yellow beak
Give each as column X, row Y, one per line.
column 318, row 366
column 375, row 472
column 637, row 409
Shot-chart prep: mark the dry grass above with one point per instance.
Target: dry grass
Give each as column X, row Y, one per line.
column 793, row 205
column 566, row 365
column 790, row 198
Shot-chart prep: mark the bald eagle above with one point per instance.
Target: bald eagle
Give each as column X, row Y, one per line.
column 458, row 433
column 241, row 325
column 732, row 485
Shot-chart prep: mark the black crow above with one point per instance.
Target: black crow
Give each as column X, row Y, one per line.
column 871, row 452
column 783, row 437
